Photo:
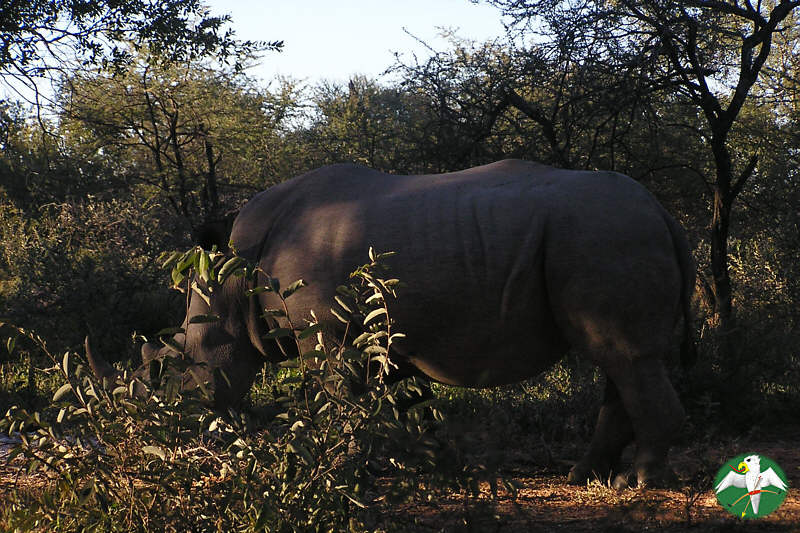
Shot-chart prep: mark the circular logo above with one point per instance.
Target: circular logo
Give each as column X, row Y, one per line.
column 750, row 486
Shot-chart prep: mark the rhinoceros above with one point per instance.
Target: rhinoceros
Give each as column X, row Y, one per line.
column 506, row 267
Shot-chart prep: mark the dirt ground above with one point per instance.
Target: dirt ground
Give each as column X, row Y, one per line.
column 544, row 501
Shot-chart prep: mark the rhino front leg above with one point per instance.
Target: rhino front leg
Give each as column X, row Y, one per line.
column 656, row 416
column 613, row 432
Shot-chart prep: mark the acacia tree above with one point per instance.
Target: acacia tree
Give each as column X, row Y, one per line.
column 51, row 38
column 189, row 133
column 708, row 52
column 368, row 123
column 487, row 101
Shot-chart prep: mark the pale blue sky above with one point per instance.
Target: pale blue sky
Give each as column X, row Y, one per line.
column 334, row 39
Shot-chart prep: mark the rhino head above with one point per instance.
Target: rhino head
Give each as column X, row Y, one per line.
column 220, row 340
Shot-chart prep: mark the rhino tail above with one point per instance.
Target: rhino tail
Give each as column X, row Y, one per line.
column 99, row 366
column 688, row 273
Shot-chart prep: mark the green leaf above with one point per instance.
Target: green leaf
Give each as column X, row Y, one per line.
column 202, row 319
column 278, row 332
column 203, row 264
column 62, row 391
column 302, row 451
column 373, row 298
column 170, row 331
column 314, row 354
column 65, row 363
column 257, row 290
column 155, row 450
column 310, row 330
column 341, row 302
column 273, row 312
column 177, row 277
column 186, row 260
column 291, row 289
column 373, row 315
column 361, row 338
column 340, row 316
column 231, row 265
column 172, row 343
column 168, row 258
column 274, row 284
column 384, row 255
column 374, row 349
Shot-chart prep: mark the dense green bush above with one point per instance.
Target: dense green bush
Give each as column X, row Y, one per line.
column 73, row 269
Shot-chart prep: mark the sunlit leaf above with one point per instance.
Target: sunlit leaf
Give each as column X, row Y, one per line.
column 291, row 289
column 343, row 304
column 168, row 258
column 373, row 315
column 340, row 316
column 203, row 263
column 231, row 265
column 62, row 391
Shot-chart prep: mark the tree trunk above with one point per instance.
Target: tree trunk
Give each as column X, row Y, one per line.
column 720, row 228
column 210, row 189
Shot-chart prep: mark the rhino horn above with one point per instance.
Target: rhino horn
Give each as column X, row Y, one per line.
column 99, row 366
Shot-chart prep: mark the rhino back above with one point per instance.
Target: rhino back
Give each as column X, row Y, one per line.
column 482, row 252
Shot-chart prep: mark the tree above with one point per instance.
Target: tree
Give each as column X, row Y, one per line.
column 192, row 134
column 367, row 123
column 53, row 37
column 492, row 100
column 708, row 52
column 463, row 92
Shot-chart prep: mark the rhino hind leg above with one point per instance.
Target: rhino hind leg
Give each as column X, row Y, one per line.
column 613, row 432
column 656, row 416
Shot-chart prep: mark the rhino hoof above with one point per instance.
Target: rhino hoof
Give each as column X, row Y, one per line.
column 665, row 479
column 580, row 475
column 577, row 476
column 623, row 480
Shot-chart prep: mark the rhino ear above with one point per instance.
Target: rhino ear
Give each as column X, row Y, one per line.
column 99, row 366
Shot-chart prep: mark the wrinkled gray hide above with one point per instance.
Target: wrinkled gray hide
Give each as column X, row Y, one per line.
column 507, row 266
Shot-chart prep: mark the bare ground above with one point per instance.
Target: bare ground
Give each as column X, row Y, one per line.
column 545, row 502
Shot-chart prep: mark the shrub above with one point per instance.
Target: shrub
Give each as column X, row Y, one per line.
column 145, row 454
column 73, row 269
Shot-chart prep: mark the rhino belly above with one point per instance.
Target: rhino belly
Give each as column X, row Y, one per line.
column 479, row 349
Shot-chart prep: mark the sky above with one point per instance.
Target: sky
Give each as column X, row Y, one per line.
column 332, row 40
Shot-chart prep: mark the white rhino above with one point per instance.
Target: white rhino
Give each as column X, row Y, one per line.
column 507, row 266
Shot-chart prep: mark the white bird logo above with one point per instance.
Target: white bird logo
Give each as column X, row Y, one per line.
column 748, row 475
